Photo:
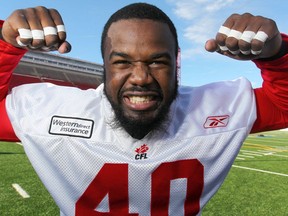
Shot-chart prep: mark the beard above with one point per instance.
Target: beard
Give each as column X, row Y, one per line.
column 141, row 126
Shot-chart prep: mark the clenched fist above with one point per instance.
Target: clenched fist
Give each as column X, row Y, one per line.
column 246, row 37
column 36, row 28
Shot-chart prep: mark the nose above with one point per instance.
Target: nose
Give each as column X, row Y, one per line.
column 140, row 74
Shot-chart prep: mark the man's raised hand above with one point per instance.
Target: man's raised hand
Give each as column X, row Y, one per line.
column 36, row 28
column 246, row 37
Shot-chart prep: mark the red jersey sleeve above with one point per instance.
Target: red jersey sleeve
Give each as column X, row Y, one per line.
column 272, row 98
column 9, row 59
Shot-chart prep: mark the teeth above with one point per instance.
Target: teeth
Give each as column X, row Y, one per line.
column 140, row 99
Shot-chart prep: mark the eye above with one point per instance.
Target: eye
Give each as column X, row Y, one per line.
column 121, row 62
column 158, row 63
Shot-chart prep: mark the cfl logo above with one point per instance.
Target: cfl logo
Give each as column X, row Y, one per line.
column 141, row 152
column 141, row 156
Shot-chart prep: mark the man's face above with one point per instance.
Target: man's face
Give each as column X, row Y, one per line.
column 140, row 67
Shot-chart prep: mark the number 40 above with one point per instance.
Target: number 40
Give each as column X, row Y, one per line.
column 112, row 179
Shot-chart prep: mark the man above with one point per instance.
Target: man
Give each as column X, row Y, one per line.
column 139, row 144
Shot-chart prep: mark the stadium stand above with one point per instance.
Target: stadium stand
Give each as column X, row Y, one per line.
column 37, row 67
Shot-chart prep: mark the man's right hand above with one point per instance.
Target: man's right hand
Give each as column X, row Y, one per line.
column 36, row 28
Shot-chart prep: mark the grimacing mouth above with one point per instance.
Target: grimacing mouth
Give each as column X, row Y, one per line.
column 142, row 100
column 136, row 99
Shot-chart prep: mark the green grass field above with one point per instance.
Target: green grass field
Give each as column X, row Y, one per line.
column 256, row 185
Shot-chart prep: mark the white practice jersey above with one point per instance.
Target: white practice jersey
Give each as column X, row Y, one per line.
column 91, row 169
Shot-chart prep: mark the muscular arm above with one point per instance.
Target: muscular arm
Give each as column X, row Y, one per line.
column 248, row 37
column 272, row 98
column 9, row 59
column 11, row 38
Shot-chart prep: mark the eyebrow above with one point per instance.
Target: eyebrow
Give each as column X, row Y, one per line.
column 161, row 55
column 153, row 56
column 119, row 54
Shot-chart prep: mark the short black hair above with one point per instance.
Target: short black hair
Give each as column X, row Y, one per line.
column 139, row 11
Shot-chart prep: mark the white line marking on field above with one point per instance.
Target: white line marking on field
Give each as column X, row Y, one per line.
column 20, row 190
column 269, row 153
column 258, row 170
column 265, row 152
column 280, row 155
column 251, row 153
column 18, row 143
column 246, row 156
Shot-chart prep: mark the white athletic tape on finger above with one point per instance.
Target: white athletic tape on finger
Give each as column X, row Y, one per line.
column 61, row 28
column 245, row 52
column 38, row 34
column 223, row 48
column 236, row 52
column 224, row 30
column 50, row 48
column 32, row 47
column 45, row 48
column 256, row 52
column 234, row 33
column 261, row 36
column 248, row 36
column 50, row 31
column 25, row 33
column 20, row 43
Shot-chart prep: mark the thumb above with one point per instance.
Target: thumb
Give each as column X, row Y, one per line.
column 65, row 47
column 211, row 45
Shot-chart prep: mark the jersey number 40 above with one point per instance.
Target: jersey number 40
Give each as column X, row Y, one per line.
column 112, row 179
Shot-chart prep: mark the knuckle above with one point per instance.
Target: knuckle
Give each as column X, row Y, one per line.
column 244, row 45
column 51, row 40
column 37, row 43
column 55, row 14
column 17, row 15
column 232, row 43
column 53, row 10
column 234, row 16
column 247, row 15
column 220, row 39
column 259, row 19
column 62, row 36
column 31, row 14
column 270, row 24
column 266, row 22
column 26, row 40
column 256, row 45
column 17, row 12
column 40, row 8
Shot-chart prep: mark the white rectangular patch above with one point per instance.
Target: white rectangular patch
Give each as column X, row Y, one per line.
column 71, row 126
column 20, row 190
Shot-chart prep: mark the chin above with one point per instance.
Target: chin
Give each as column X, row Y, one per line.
column 140, row 124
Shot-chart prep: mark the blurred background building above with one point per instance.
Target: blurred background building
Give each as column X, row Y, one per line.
column 58, row 69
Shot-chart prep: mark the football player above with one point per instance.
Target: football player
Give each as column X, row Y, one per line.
column 139, row 144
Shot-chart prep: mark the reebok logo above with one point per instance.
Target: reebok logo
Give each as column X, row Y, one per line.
column 216, row 121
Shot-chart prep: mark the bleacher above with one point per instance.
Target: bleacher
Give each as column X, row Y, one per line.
column 58, row 69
